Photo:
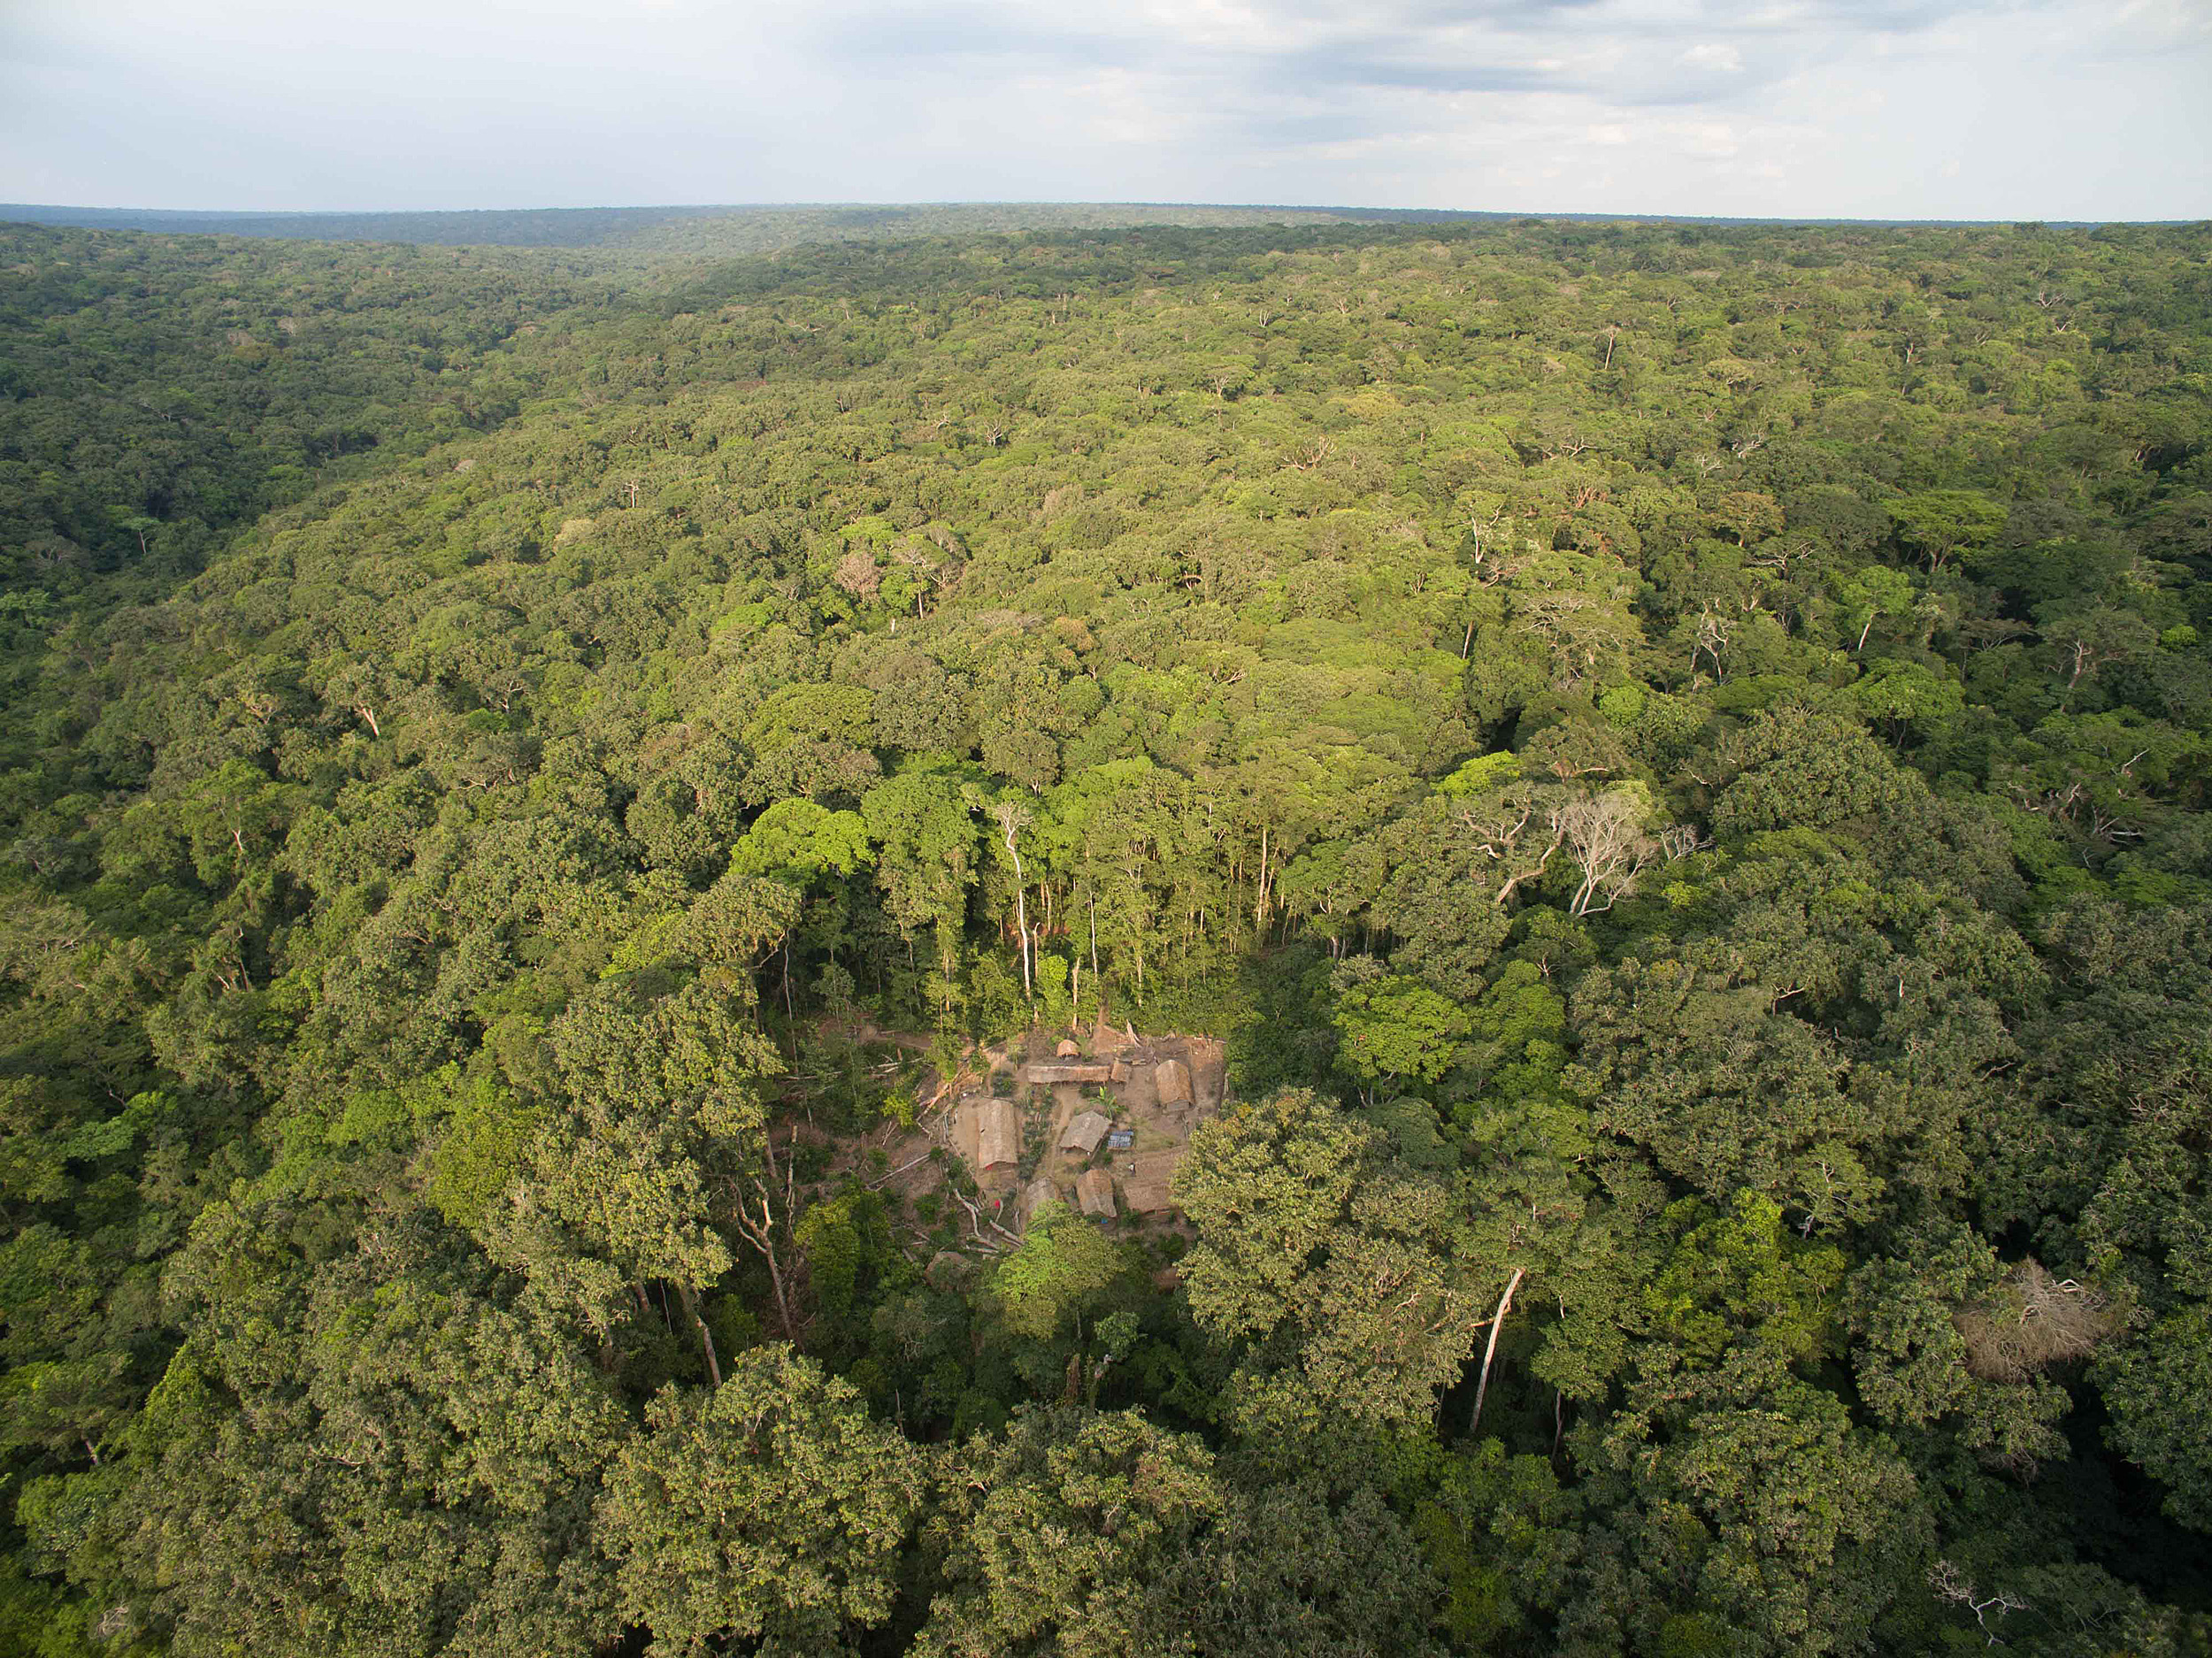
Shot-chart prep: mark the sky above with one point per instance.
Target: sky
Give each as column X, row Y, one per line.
column 1889, row 109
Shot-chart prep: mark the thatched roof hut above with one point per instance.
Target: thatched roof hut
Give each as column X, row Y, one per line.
column 1084, row 1131
column 1035, row 1195
column 1172, row 1078
column 1145, row 1177
column 1095, row 1188
column 1049, row 1071
column 998, row 1135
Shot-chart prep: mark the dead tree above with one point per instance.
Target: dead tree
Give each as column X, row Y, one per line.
column 759, row 1222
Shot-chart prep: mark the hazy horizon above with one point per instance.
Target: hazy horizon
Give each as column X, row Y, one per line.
column 1887, row 109
column 1317, row 209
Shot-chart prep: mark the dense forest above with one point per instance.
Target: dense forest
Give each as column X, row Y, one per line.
column 1674, row 757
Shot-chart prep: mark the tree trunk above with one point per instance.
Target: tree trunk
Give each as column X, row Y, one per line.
column 1021, row 920
column 1259, row 910
column 706, row 1337
column 1490, row 1351
column 760, row 1231
column 1010, row 821
column 763, row 1237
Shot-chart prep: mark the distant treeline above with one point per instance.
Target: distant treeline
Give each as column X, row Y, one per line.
column 725, row 231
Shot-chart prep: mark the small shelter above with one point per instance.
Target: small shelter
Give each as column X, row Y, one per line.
column 1068, row 1049
column 1035, row 1195
column 1095, row 1189
column 1084, row 1132
column 1172, row 1078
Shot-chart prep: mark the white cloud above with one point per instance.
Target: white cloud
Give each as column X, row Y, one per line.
column 1715, row 139
column 1713, row 55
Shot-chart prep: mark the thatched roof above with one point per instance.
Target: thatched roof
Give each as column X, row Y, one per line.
column 1084, row 1132
column 1036, row 1195
column 1144, row 1177
column 1172, row 1078
column 1095, row 1189
column 1070, row 1070
column 998, row 1135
